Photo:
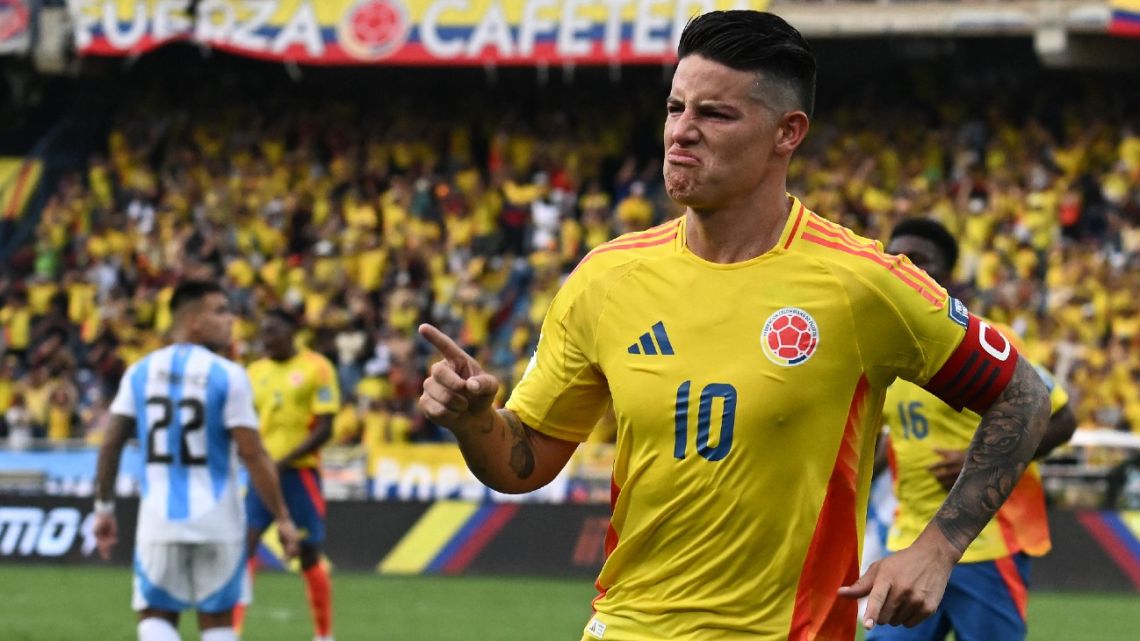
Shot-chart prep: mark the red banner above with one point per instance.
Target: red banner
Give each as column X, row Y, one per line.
column 398, row 32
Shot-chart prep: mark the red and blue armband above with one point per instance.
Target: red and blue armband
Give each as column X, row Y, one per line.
column 977, row 371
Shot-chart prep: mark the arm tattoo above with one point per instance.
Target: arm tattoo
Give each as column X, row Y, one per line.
column 522, row 454
column 1003, row 445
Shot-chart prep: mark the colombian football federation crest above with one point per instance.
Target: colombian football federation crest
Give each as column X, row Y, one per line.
column 374, row 29
column 790, row 336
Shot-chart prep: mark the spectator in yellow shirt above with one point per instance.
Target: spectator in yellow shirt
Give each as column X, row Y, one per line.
column 16, row 320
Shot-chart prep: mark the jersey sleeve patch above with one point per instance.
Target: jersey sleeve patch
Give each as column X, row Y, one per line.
column 978, row 370
column 958, row 313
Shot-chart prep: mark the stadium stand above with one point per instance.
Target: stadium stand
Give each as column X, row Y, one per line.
column 369, row 200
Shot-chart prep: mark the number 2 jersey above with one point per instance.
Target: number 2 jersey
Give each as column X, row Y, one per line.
column 748, row 397
column 184, row 400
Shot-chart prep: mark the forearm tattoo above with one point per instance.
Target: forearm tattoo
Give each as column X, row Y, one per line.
column 998, row 454
column 522, row 454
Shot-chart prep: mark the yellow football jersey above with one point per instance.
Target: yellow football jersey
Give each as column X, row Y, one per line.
column 920, row 424
column 289, row 396
column 747, row 398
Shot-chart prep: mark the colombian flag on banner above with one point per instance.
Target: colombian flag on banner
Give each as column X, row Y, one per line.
column 1125, row 18
column 1119, row 534
column 399, row 32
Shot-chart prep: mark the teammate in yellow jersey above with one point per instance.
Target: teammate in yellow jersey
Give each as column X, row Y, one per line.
column 296, row 395
column 746, row 347
column 987, row 595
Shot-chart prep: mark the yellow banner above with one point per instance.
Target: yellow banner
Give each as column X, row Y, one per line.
column 408, row 32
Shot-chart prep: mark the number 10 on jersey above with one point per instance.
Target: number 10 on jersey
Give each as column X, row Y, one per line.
column 710, row 392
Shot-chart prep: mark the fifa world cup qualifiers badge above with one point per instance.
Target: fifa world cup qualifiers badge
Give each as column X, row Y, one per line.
column 790, row 337
column 596, row 628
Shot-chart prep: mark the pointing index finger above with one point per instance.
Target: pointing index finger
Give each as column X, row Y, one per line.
column 442, row 342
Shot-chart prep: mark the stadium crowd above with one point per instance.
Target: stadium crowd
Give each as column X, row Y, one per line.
column 367, row 221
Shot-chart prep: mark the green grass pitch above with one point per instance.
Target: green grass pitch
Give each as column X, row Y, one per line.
column 48, row 603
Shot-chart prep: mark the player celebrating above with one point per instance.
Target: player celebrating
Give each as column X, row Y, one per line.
column 296, row 395
column 193, row 415
column 986, row 597
column 746, row 348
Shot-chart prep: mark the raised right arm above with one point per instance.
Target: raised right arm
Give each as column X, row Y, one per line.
column 504, row 453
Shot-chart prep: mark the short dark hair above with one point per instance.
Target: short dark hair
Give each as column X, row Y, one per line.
column 933, row 231
column 285, row 316
column 754, row 41
column 192, row 291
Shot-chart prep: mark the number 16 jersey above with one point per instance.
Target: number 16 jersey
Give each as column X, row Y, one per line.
column 747, row 397
column 184, row 399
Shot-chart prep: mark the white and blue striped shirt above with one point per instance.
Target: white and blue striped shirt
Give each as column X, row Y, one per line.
column 184, row 399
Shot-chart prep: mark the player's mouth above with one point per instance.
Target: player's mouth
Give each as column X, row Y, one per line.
column 682, row 157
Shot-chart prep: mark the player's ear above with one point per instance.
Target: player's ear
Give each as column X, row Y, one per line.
column 790, row 132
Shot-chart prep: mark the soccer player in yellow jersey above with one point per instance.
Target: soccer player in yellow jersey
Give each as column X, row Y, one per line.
column 296, row 395
column 987, row 595
column 746, row 347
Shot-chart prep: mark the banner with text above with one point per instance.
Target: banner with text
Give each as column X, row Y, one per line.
column 436, row 471
column 1092, row 550
column 399, row 32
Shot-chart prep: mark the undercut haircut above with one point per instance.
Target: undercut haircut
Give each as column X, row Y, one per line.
column 933, row 231
column 192, row 291
column 755, row 41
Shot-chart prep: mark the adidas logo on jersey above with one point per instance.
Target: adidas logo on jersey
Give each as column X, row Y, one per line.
column 653, row 342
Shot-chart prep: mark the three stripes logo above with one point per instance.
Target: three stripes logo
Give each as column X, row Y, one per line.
column 646, row 345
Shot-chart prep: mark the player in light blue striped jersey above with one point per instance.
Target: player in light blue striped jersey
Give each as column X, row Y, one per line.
column 192, row 413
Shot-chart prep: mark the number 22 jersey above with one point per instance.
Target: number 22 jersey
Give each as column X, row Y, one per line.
column 184, row 399
column 747, row 397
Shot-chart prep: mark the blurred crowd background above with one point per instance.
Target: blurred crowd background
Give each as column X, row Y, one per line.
column 463, row 198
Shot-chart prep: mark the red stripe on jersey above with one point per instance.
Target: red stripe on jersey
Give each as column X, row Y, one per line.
column 611, row 541
column 648, row 238
column 977, row 371
column 848, row 237
column 795, row 227
column 309, row 480
column 832, row 559
column 937, row 301
column 1025, row 508
column 1008, row 531
column 1013, row 582
column 896, row 264
column 666, row 228
column 1022, row 518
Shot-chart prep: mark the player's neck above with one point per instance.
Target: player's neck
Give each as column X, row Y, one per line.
column 284, row 357
column 737, row 233
column 179, row 336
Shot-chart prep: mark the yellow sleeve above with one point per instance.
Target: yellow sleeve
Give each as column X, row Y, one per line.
column 562, row 392
column 907, row 326
column 326, row 398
